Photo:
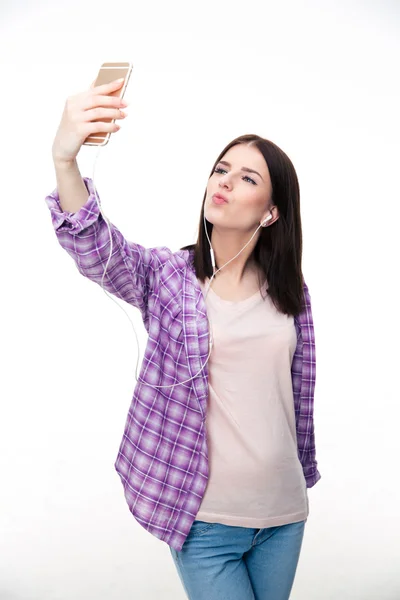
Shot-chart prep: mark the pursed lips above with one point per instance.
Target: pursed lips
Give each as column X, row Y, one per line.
column 219, row 199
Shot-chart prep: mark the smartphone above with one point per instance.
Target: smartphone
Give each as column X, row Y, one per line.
column 109, row 72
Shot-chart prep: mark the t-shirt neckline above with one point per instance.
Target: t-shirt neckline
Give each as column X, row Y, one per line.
column 233, row 303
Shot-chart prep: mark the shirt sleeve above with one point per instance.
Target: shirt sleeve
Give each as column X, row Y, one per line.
column 304, row 376
column 132, row 271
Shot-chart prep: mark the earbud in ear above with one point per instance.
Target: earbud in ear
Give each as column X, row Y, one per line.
column 266, row 219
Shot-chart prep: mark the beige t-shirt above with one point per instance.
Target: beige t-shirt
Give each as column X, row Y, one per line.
column 256, row 478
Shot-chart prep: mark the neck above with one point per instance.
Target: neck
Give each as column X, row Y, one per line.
column 226, row 245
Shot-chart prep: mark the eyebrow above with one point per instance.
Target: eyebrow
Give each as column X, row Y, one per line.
column 224, row 162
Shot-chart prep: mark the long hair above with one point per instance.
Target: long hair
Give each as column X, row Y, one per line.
column 278, row 252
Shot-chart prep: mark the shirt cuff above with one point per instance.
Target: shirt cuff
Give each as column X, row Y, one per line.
column 75, row 222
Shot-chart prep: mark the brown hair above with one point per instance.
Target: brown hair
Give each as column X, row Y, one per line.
column 278, row 252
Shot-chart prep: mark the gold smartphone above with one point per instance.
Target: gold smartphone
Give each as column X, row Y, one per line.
column 109, row 72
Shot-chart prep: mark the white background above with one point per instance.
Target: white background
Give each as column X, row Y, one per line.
column 320, row 79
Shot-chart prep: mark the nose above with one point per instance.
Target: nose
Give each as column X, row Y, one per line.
column 224, row 181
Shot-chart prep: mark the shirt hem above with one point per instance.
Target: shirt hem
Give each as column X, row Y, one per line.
column 238, row 521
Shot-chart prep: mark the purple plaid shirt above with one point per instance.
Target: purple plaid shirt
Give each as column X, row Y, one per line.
column 163, row 456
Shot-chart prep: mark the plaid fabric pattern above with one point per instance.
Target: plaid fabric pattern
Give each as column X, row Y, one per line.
column 163, row 459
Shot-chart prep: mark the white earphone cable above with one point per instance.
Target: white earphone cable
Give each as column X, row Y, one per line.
column 213, row 265
column 109, row 258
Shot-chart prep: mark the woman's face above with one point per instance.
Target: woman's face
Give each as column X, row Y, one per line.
column 247, row 193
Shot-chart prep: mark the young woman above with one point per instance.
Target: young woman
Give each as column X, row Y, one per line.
column 218, row 448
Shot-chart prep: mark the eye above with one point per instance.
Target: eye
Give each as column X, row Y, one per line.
column 219, row 169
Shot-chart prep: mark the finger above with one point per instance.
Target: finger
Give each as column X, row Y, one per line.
column 101, row 127
column 92, row 101
column 107, row 88
column 104, row 113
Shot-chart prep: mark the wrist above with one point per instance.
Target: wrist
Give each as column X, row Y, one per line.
column 63, row 163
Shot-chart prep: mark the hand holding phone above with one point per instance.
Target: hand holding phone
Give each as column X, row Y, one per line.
column 89, row 117
column 108, row 73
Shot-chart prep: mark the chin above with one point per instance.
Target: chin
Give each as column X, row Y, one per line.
column 210, row 216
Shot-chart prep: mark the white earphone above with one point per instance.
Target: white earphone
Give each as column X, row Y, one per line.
column 265, row 220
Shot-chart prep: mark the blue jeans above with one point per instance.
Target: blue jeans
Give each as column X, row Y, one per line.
column 222, row 562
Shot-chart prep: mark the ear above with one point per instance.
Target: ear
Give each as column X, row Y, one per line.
column 274, row 212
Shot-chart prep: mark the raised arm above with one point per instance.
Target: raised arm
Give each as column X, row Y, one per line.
column 132, row 272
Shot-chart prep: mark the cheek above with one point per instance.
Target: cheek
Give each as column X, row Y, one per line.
column 251, row 204
column 254, row 198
